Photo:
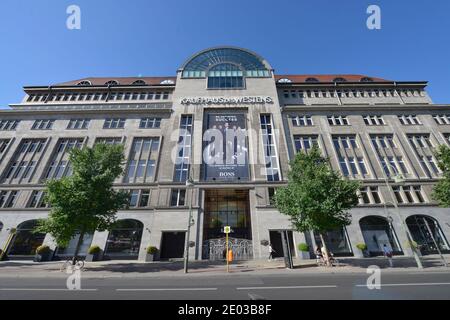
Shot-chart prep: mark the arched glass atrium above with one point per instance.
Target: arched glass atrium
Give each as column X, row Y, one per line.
column 225, row 67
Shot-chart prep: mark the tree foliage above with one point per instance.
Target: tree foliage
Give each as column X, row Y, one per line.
column 85, row 201
column 316, row 197
column 442, row 189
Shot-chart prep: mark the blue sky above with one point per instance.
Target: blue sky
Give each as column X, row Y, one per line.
column 153, row 38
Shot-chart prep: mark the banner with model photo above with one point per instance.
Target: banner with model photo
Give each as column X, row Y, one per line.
column 225, row 152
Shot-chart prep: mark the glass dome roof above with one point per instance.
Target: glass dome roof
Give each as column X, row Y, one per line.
column 199, row 64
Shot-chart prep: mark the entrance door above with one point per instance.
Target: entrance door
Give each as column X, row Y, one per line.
column 277, row 244
column 172, row 245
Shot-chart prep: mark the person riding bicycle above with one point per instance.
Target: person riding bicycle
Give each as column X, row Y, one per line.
column 318, row 253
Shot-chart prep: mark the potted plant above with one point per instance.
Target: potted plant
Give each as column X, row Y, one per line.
column 43, row 253
column 93, row 253
column 304, row 250
column 363, row 248
column 151, row 254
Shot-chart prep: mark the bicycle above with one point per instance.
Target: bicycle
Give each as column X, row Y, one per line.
column 68, row 264
column 322, row 263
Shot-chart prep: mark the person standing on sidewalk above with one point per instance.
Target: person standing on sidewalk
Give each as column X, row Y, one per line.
column 271, row 252
column 388, row 254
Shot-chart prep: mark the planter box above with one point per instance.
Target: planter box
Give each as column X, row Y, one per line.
column 42, row 257
column 92, row 257
column 304, row 255
column 151, row 257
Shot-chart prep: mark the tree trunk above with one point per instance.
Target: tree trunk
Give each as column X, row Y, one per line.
column 326, row 257
column 77, row 248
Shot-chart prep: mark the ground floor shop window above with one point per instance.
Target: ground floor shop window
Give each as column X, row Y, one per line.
column 377, row 232
column 427, row 233
column 25, row 241
column 124, row 239
column 70, row 249
column 336, row 241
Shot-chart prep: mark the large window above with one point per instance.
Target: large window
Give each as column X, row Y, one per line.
column 8, row 198
column 378, row 232
column 305, row 142
column 22, row 167
column 270, row 149
column 124, row 239
column 336, row 241
column 4, row 144
column 408, row 194
column 184, row 147
column 423, row 147
column 8, row 125
column 225, row 76
column 26, row 240
column 59, row 165
column 69, row 250
column 142, row 161
column 427, row 233
column 350, row 157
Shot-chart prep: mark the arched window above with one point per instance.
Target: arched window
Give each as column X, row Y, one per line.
column 377, row 232
column 111, row 83
column 339, row 80
column 84, row 83
column 427, row 233
column 139, row 83
column 230, row 59
column 25, row 240
column 124, row 239
column 225, row 76
column 284, row 80
column 312, row 80
column 366, row 79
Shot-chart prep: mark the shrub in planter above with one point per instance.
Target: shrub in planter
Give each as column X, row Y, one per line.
column 303, row 247
column 43, row 253
column 151, row 254
column 93, row 253
column 363, row 248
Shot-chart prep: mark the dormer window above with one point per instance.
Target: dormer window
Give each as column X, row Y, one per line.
column 84, row 83
column 339, row 80
column 284, row 80
column 139, row 83
column 167, row 81
column 312, row 80
column 111, row 83
column 366, row 79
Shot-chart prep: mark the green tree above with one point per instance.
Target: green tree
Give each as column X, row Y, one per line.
column 316, row 197
column 85, row 201
column 442, row 188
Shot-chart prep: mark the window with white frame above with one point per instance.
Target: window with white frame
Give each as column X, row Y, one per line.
column 389, row 155
column 142, row 162
column 4, row 143
column 59, row 164
column 22, row 166
column 270, row 149
column 178, row 197
column 369, row 195
column 37, row 200
column 338, row 121
column 8, row 125
column 78, row 124
column 149, row 123
column 350, row 157
column 139, row 198
column 442, row 118
column 423, row 147
column 374, row 120
column 447, row 137
column 43, row 124
column 114, row 123
column 305, row 142
column 184, row 147
column 409, row 120
column 109, row 140
column 8, row 198
column 302, row 121
column 408, row 194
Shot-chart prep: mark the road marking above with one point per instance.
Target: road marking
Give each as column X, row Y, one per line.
column 408, row 284
column 289, row 287
column 169, row 289
column 43, row 289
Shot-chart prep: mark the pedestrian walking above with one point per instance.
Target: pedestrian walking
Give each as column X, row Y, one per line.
column 388, row 254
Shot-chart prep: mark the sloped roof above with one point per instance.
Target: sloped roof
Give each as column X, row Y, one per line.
column 121, row 80
column 298, row 78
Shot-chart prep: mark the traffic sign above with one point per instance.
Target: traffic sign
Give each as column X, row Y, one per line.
column 227, row 229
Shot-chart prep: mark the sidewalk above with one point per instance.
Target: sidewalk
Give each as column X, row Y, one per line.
column 135, row 269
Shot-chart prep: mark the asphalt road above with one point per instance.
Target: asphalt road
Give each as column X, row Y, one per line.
column 406, row 285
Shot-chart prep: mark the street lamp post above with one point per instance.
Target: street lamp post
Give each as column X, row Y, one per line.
column 399, row 179
column 189, row 185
